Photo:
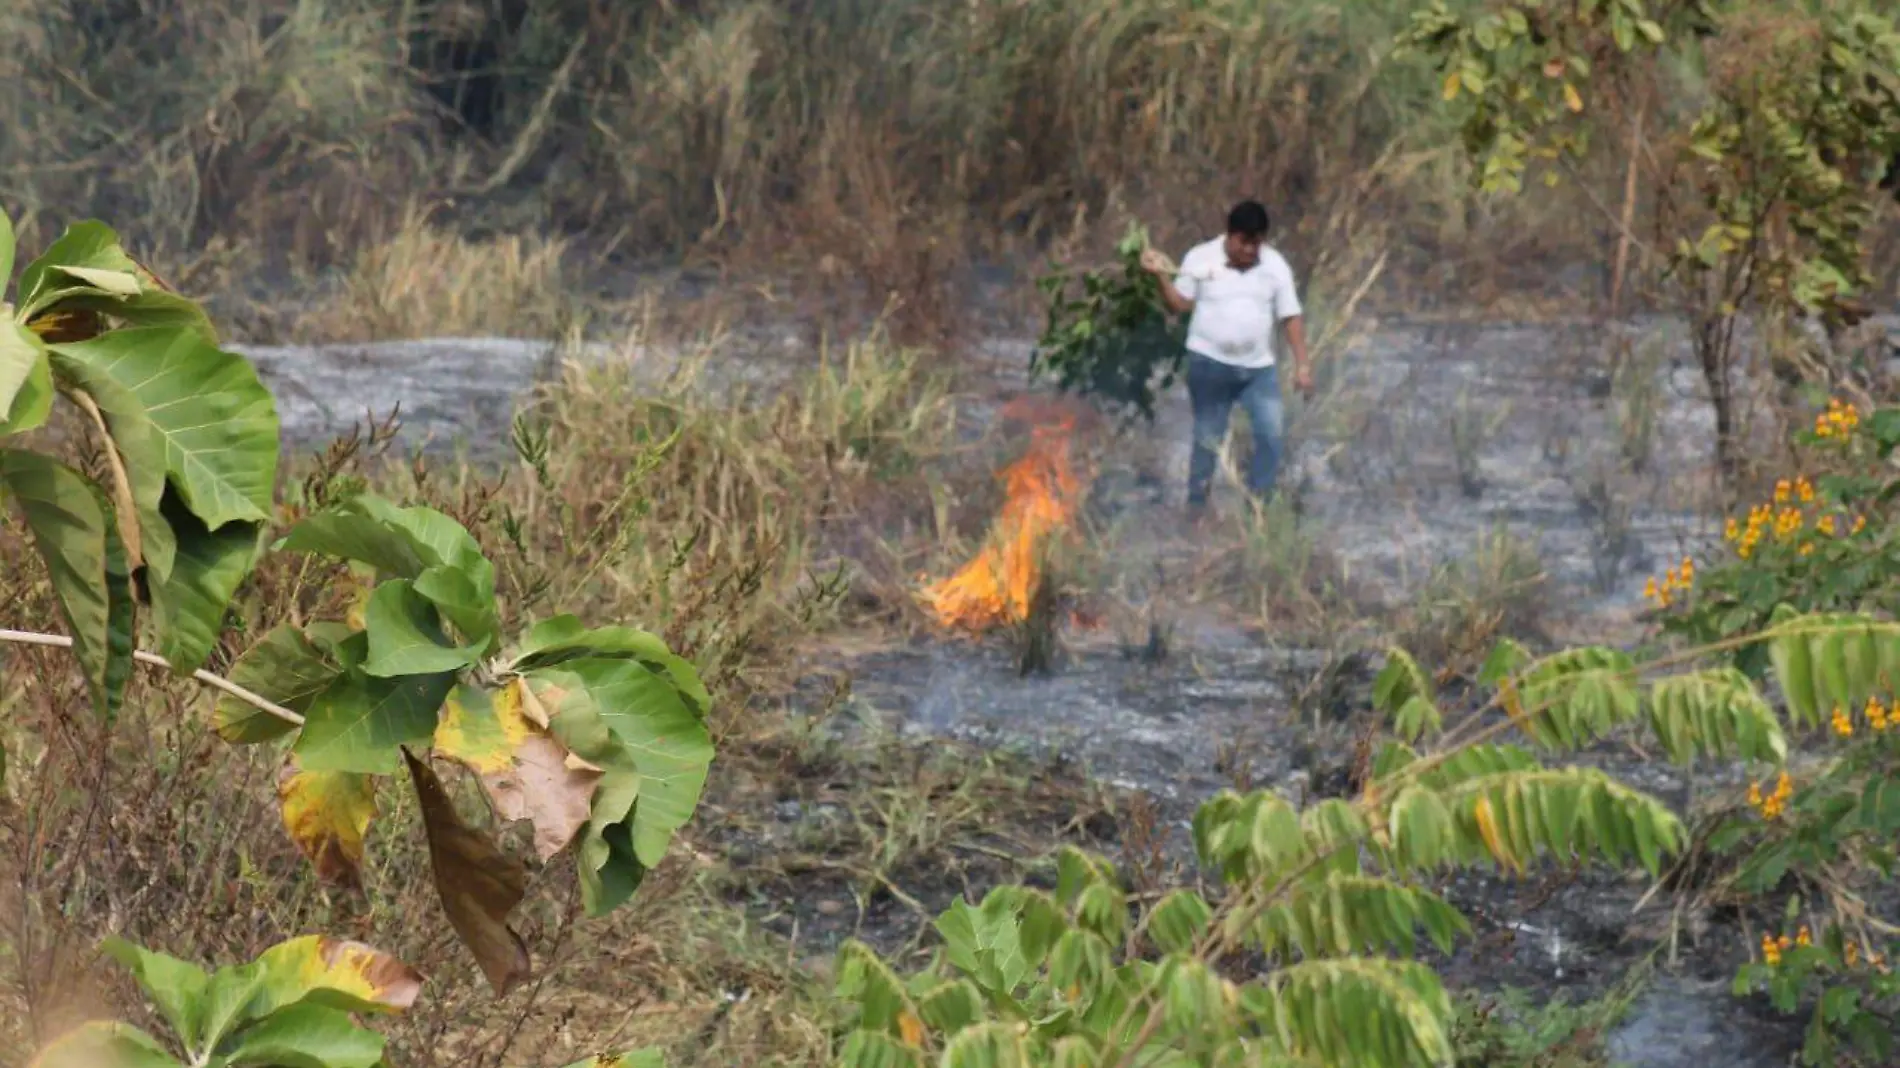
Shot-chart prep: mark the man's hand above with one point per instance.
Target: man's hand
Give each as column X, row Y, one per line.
column 1156, row 262
column 1303, row 379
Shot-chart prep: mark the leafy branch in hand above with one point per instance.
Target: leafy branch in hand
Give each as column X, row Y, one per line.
column 1108, row 334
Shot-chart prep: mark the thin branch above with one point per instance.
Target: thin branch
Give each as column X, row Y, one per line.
column 257, row 701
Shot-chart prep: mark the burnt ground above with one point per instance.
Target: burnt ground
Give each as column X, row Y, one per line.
column 1433, row 448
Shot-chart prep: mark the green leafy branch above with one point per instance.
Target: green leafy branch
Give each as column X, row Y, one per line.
column 1108, row 335
column 596, row 736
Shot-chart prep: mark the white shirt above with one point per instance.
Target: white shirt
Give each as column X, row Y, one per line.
column 1235, row 312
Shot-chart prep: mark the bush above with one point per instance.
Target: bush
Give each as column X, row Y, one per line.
column 1823, row 543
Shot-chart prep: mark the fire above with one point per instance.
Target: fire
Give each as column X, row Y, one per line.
column 1042, row 494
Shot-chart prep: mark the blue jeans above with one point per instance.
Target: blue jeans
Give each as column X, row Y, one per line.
column 1213, row 387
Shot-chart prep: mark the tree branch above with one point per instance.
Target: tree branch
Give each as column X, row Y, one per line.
column 257, row 701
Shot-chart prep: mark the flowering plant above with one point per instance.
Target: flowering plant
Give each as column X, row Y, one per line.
column 1820, row 838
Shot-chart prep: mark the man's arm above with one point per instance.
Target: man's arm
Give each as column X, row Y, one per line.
column 1296, row 342
column 1287, row 308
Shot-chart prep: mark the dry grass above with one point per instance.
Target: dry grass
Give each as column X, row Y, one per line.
column 426, row 281
column 707, row 523
column 874, row 149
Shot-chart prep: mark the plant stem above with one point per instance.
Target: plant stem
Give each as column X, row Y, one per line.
column 257, row 701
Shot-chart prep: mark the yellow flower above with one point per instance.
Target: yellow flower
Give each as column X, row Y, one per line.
column 1843, row 724
column 1770, row 950
column 1732, row 531
column 1804, row 489
column 1802, row 937
column 1754, row 794
column 1860, row 524
column 1825, row 525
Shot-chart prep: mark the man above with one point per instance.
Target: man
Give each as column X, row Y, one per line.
column 1236, row 289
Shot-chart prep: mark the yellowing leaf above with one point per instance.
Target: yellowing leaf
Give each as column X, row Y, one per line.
column 356, row 589
column 480, row 729
column 527, row 774
column 1572, row 99
column 1512, row 701
column 334, row 972
column 327, row 814
column 1488, row 830
column 1453, row 82
column 478, row 885
column 911, row 1028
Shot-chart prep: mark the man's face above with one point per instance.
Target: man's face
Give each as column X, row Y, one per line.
column 1242, row 251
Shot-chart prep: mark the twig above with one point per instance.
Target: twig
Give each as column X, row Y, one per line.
column 257, row 701
column 525, row 144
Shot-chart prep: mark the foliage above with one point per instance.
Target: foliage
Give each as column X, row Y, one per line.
column 1765, row 205
column 1330, row 899
column 1819, row 542
column 1798, row 566
column 296, row 1004
column 596, row 736
column 1113, row 339
column 1520, row 71
column 1787, row 161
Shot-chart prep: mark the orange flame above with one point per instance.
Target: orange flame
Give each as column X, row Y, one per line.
column 1043, row 492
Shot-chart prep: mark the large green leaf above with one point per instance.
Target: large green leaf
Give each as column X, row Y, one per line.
column 630, row 721
column 189, row 604
column 75, row 536
column 563, row 638
column 668, row 742
column 610, row 870
column 405, row 634
column 357, row 722
column 442, row 559
column 153, row 305
column 140, row 448
column 85, row 261
column 218, row 421
column 20, row 353
column 177, row 987
column 285, row 667
column 26, row 381
column 103, row 1044
column 304, row 1036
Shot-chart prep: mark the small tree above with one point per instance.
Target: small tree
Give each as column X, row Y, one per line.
column 597, row 736
column 1763, row 204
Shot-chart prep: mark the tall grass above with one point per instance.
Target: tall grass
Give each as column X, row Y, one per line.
column 888, row 138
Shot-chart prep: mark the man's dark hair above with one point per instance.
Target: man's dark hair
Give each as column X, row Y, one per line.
column 1249, row 220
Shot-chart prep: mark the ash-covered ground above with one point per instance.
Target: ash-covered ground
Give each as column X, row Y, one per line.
column 1433, row 448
